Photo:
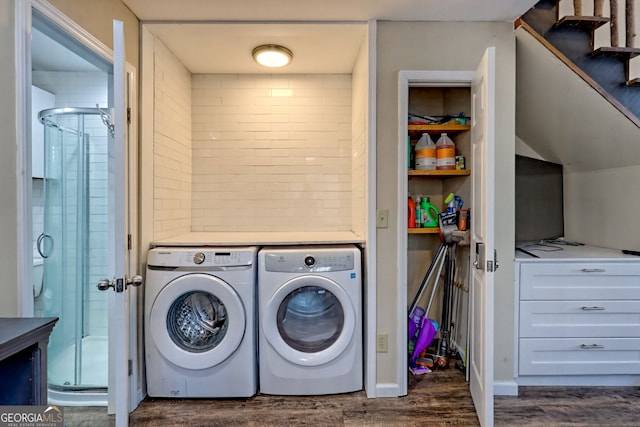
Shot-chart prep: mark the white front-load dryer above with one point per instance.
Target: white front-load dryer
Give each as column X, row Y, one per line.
column 310, row 320
column 200, row 338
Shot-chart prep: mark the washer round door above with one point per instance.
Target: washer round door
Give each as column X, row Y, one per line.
column 197, row 321
column 309, row 320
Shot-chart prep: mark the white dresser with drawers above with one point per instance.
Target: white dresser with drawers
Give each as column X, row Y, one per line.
column 577, row 316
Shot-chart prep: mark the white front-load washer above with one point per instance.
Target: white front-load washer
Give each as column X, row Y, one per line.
column 200, row 338
column 310, row 320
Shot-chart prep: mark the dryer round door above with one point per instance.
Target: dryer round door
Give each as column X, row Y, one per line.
column 197, row 321
column 309, row 320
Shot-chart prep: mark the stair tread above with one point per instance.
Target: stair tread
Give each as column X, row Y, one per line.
column 625, row 53
column 589, row 23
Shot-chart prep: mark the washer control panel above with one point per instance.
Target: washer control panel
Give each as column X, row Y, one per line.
column 201, row 257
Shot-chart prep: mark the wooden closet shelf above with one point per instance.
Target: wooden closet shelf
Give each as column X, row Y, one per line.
column 430, row 230
column 437, row 173
column 452, row 128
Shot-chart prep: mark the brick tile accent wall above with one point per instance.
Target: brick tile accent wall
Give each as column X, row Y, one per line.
column 172, row 169
column 272, row 152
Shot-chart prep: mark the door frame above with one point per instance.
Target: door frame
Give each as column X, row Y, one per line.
column 23, row 24
column 407, row 79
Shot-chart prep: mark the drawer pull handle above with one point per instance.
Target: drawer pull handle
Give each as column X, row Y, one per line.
column 594, row 308
column 591, row 346
column 593, row 270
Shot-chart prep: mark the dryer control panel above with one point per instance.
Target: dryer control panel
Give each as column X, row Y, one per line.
column 317, row 261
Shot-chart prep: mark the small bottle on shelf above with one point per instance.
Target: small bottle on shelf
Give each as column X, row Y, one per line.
column 411, row 213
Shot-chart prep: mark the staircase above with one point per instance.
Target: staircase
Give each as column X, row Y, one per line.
column 571, row 38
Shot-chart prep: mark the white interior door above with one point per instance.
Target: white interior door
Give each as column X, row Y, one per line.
column 482, row 237
column 119, row 352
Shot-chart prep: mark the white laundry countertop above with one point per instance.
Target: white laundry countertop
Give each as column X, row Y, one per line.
column 250, row 238
column 561, row 253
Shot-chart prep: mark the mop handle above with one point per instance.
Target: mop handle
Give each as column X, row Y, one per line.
column 438, row 258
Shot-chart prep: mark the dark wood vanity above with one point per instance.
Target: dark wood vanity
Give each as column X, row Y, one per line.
column 23, row 360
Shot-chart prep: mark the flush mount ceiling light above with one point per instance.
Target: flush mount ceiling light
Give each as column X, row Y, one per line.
column 272, row 55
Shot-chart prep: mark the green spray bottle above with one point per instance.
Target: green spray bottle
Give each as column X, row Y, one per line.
column 429, row 213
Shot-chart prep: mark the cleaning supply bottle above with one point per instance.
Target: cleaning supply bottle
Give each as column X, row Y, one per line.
column 425, row 158
column 418, row 212
column 450, row 202
column 429, row 213
column 412, row 213
column 445, row 153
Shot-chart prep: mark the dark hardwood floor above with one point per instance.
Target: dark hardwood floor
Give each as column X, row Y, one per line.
column 439, row 398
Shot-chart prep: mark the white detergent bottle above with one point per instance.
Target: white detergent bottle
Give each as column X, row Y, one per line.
column 425, row 153
column 445, row 153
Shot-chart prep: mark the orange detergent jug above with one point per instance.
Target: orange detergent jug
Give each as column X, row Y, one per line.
column 425, row 153
column 445, row 153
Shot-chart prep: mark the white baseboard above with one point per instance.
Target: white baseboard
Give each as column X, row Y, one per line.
column 581, row 380
column 500, row 388
column 387, row 390
column 505, row 388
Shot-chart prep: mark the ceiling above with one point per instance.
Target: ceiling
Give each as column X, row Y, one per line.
column 217, row 36
column 226, row 48
column 49, row 55
column 325, row 36
column 329, row 10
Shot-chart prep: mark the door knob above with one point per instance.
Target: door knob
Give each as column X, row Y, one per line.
column 104, row 284
column 134, row 281
column 116, row 284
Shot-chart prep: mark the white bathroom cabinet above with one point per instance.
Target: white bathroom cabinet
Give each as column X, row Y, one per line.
column 578, row 317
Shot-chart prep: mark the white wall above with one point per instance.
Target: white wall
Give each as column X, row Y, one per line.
column 9, row 171
column 271, row 152
column 600, row 207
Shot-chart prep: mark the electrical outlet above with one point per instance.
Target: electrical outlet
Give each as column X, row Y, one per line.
column 382, row 343
column 382, row 218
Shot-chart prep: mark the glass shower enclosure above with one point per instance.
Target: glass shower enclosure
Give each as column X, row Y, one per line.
column 73, row 244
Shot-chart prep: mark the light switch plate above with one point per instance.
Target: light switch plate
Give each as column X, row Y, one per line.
column 382, row 342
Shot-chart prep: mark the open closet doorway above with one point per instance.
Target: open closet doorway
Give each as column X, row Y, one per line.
column 441, row 91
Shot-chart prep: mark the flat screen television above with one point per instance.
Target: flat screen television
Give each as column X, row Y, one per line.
column 539, row 201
